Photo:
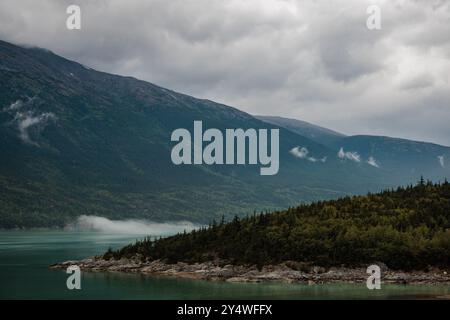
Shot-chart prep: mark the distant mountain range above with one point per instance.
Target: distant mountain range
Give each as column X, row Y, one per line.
column 76, row 141
column 400, row 157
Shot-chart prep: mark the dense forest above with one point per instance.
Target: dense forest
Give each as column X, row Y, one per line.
column 407, row 228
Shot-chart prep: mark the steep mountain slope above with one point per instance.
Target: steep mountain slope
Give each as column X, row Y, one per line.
column 78, row 141
column 322, row 135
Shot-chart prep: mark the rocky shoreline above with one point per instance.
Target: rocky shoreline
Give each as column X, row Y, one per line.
column 288, row 272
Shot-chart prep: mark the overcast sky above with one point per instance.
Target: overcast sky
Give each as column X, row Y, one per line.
column 311, row 60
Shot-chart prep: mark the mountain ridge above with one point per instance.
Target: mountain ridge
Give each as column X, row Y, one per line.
column 310, row 130
column 78, row 141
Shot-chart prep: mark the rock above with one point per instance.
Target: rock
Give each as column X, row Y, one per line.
column 317, row 269
column 288, row 272
column 298, row 266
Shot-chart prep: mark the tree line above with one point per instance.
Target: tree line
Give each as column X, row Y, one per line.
column 406, row 228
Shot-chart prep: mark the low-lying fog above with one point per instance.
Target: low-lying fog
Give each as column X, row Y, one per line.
column 101, row 224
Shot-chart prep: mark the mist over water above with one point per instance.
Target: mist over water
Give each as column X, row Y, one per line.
column 101, row 224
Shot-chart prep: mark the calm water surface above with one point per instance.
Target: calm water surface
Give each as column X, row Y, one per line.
column 24, row 274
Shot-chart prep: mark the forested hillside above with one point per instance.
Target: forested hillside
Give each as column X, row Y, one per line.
column 75, row 141
column 406, row 228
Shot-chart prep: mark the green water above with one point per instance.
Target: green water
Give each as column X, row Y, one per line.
column 24, row 274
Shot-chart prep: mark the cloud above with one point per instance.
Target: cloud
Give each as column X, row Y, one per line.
column 26, row 120
column 323, row 160
column 350, row 155
column 302, row 153
column 373, row 162
column 142, row 227
column 311, row 60
column 441, row 161
column 298, row 152
column 14, row 106
column 26, row 117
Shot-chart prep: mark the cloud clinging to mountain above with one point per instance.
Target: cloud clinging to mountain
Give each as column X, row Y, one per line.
column 303, row 153
column 441, row 161
column 373, row 162
column 13, row 106
column 299, row 152
column 349, row 155
column 26, row 120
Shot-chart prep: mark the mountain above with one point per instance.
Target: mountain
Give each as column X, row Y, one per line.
column 399, row 158
column 405, row 229
column 321, row 135
column 76, row 141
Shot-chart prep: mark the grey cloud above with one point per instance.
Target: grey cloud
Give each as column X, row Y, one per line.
column 418, row 82
column 349, row 155
column 312, row 60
